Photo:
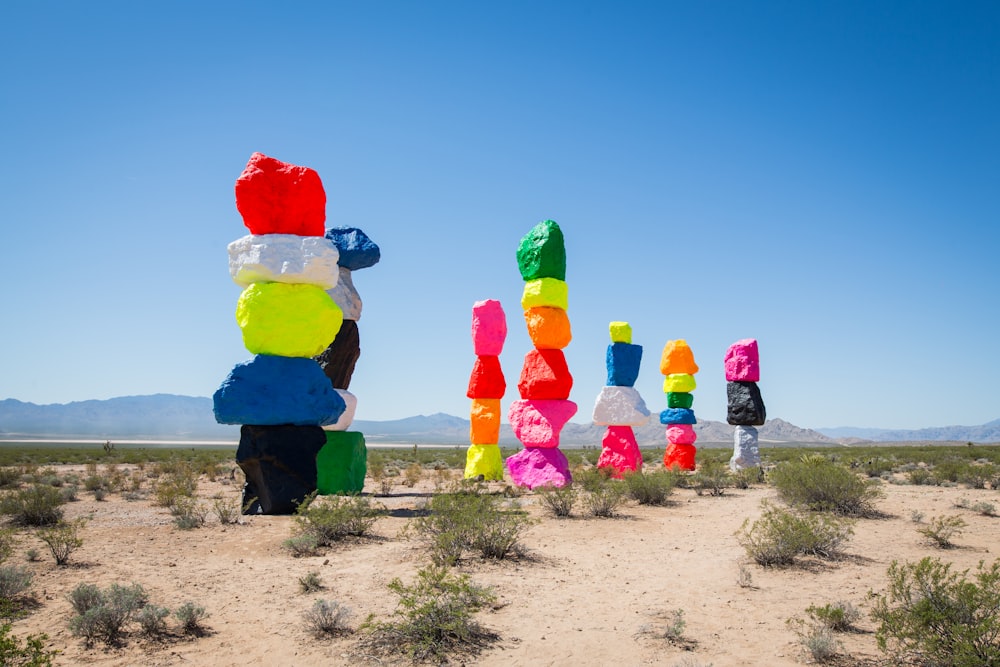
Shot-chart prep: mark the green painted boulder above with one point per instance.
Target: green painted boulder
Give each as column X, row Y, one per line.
column 341, row 464
column 542, row 252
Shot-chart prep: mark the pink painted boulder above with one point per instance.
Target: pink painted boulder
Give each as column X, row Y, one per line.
column 533, row 467
column 681, row 434
column 275, row 197
column 620, row 451
column 743, row 361
column 537, row 423
column 545, row 375
column 489, row 328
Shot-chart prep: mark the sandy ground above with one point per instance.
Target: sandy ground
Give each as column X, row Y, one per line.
column 591, row 592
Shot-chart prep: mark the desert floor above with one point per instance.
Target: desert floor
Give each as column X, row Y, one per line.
column 591, row 591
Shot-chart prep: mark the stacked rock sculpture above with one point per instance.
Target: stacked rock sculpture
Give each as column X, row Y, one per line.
column 745, row 405
column 545, row 382
column 281, row 397
column 619, row 405
column 677, row 364
column 486, row 387
column 342, row 463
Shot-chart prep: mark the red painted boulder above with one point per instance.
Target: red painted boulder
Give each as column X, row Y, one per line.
column 487, row 379
column 620, row 451
column 275, row 197
column 679, row 456
column 545, row 375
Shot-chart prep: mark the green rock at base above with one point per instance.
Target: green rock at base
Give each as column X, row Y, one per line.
column 679, row 399
column 342, row 463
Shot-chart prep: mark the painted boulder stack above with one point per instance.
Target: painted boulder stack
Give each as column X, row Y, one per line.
column 619, row 405
column 745, row 406
column 281, row 397
column 486, row 387
column 342, row 463
column 678, row 365
column 545, row 381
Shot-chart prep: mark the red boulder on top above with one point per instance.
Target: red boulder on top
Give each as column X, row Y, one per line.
column 275, row 197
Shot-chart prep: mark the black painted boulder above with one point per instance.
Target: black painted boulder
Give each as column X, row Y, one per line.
column 339, row 359
column 746, row 407
column 280, row 466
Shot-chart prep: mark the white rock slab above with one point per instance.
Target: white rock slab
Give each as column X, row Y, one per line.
column 345, row 420
column 284, row 258
column 345, row 296
column 620, row 406
column 746, row 451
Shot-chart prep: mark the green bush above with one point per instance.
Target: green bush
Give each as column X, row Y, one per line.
column 104, row 614
column 31, row 654
column 37, row 505
column 839, row 617
column 62, row 539
column 712, row 477
column 816, row 483
column 14, row 580
column 310, row 583
column 188, row 513
column 779, row 536
column 433, row 619
column 921, row 476
column 332, row 518
column 152, row 620
column 650, row 488
column 191, row 616
column 460, row 521
column 558, row 500
column 10, row 478
column 944, row 616
column 941, row 529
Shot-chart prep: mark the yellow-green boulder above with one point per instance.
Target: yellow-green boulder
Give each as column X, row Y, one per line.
column 484, row 460
column 287, row 320
column 545, row 292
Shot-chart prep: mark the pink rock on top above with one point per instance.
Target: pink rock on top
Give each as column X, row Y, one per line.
column 275, row 197
column 489, row 328
column 743, row 361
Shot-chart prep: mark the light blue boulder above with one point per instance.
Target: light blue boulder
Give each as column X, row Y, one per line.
column 678, row 416
column 270, row 390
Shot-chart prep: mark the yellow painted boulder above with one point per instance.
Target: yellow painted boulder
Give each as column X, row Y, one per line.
column 545, row 292
column 677, row 358
column 287, row 320
column 484, row 460
column 548, row 327
column 621, row 332
column 485, row 418
column 677, row 382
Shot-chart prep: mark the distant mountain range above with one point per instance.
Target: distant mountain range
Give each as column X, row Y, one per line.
column 172, row 417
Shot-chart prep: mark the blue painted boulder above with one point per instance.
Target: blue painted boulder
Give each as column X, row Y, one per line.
column 623, row 361
column 678, row 416
column 357, row 251
column 270, row 390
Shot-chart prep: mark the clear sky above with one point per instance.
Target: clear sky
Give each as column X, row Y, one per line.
column 822, row 176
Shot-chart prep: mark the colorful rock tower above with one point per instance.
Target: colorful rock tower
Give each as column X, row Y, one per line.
column 281, row 397
column 619, row 405
column 486, row 387
column 746, row 407
column 343, row 461
column 545, row 382
column 677, row 364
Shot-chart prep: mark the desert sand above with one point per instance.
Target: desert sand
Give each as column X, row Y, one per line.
column 591, row 591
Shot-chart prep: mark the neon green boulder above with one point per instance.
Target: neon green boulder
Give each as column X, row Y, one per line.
column 484, row 460
column 287, row 320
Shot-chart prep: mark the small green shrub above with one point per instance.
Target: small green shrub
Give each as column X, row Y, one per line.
column 191, row 616
column 301, row 545
column 747, row 477
column 821, row 643
column 712, row 477
column 940, row 530
column 14, row 581
column 10, row 478
column 327, row 618
column 949, row 471
column 943, row 616
column 8, row 540
column 188, row 513
column 978, row 476
column 152, row 620
column 105, row 613
column 310, row 583
column 816, row 483
column 178, row 480
column 603, row 496
column 31, row 654
column 558, row 500
column 62, row 539
column 839, row 616
column 37, row 505
column 650, row 488
column 332, row 518
column 433, row 619
column 228, row 511
column 779, row 536
column 921, row 477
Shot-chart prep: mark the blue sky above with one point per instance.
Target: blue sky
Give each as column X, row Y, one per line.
column 821, row 176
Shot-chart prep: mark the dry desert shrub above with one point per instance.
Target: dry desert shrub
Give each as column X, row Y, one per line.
column 327, row 618
column 779, row 536
column 558, row 500
column 36, row 505
column 62, row 539
column 650, row 488
column 191, row 618
column 941, row 529
column 328, row 519
column 816, row 483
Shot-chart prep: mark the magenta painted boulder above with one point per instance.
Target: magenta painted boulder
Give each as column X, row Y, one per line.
column 534, row 467
column 489, row 328
column 537, row 423
column 743, row 361
column 620, row 451
column 681, row 434
column 545, row 375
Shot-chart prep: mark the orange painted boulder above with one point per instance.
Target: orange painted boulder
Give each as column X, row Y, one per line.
column 548, row 327
column 677, row 358
column 485, row 421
